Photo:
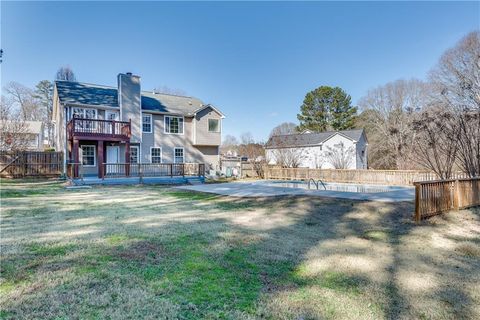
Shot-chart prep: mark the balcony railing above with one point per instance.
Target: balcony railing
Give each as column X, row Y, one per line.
column 99, row 128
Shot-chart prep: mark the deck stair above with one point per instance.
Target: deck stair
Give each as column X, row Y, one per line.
column 195, row 180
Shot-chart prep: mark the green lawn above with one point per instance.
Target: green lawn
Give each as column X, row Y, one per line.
column 152, row 252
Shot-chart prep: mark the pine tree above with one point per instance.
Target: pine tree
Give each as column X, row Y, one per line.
column 327, row 108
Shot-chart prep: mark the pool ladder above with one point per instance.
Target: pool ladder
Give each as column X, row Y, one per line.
column 316, row 183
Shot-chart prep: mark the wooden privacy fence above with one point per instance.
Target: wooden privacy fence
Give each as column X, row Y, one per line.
column 30, row 164
column 435, row 197
column 389, row 177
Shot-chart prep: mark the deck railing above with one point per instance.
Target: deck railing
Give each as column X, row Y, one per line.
column 435, row 197
column 121, row 170
column 99, row 128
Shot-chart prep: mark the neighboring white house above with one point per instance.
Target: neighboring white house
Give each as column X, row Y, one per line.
column 322, row 150
column 22, row 135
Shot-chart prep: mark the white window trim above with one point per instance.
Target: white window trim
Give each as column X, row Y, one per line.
column 161, row 154
column 94, row 155
column 151, row 122
column 165, row 125
column 108, row 112
column 138, row 153
column 175, row 158
column 82, row 108
column 219, row 125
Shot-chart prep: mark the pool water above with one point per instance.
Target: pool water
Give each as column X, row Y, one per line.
column 342, row 187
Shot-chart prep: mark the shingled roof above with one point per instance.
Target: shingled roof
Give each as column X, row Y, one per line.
column 309, row 139
column 76, row 93
column 86, row 94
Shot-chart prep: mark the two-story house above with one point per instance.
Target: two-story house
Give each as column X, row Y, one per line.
column 97, row 124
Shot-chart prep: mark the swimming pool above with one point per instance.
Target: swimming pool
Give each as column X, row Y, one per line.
column 275, row 188
column 328, row 186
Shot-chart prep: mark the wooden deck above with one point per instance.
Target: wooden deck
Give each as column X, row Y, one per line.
column 95, row 129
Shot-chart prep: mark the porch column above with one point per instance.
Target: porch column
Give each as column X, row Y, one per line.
column 76, row 159
column 100, row 159
column 127, row 158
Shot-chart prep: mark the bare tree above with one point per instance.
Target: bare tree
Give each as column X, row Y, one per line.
column 254, row 151
column 24, row 100
column 339, row 156
column 456, row 80
column 284, row 128
column 44, row 96
column 65, row 73
column 436, row 143
column 229, row 144
column 14, row 131
column 393, row 105
column 287, row 157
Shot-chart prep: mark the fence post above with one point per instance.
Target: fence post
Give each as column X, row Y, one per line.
column 418, row 215
column 140, row 173
column 456, row 195
column 171, row 170
column 25, row 165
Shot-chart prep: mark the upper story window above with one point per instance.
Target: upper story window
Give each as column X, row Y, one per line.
column 147, row 123
column 84, row 113
column 213, row 125
column 174, row 125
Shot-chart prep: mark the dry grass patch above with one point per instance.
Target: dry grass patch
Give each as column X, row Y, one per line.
column 130, row 252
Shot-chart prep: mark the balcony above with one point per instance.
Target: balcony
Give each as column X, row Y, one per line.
column 94, row 129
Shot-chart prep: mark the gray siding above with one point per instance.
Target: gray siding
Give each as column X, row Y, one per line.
column 168, row 142
column 202, row 136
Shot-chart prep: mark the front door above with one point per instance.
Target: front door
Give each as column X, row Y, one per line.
column 113, row 156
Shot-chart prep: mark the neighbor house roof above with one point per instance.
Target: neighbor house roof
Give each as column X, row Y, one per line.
column 76, row 93
column 309, row 139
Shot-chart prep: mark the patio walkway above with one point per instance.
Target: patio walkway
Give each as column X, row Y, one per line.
column 255, row 189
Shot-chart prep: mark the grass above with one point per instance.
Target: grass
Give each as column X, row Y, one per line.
column 153, row 252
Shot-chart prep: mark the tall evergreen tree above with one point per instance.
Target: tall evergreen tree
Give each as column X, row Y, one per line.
column 44, row 94
column 327, row 108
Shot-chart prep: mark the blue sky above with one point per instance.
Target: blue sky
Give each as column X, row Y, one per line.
column 254, row 60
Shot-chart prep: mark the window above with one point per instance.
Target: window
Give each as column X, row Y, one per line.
column 78, row 113
column 147, row 123
column 88, row 156
column 134, row 154
column 156, row 155
column 84, row 114
column 213, row 125
column 174, row 125
column 179, row 158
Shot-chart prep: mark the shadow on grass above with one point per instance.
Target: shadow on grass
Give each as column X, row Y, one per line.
column 308, row 267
